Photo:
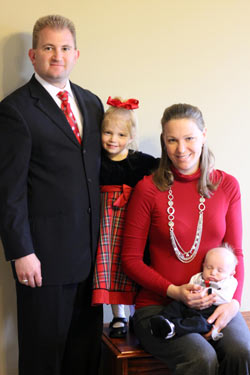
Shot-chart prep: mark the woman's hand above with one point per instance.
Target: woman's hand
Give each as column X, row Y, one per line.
column 222, row 316
column 194, row 296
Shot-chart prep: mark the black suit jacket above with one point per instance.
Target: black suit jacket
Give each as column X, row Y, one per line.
column 49, row 183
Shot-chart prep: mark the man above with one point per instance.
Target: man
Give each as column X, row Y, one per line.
column 49, row 207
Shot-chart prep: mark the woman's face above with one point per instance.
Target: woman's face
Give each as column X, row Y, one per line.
column 184, row 140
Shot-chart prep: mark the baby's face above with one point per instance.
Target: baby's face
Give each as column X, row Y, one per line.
column 218, row 265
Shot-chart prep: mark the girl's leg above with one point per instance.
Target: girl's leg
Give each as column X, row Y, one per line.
column 233, row 350
column 118, row 311
column 190, row 354
column 131, row 323
column 132, row 310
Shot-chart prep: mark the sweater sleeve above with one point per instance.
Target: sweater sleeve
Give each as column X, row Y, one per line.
column 136, row 231
column 233, row 235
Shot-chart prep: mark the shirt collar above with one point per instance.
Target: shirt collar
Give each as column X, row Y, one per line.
column 53, row 90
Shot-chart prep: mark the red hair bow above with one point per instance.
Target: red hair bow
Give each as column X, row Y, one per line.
column 129, row 104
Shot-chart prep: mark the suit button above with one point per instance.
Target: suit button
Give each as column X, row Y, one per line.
column 84, row 151
column 89, row 180
column 89, row 210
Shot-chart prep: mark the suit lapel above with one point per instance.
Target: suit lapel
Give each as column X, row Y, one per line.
column 82, row 106
column 48, row 106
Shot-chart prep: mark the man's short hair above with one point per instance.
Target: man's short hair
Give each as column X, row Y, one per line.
column 54, row 22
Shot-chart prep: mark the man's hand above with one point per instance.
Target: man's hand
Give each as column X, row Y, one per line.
column 28, row 270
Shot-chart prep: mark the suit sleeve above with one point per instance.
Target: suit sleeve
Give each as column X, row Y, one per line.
column 15, row 150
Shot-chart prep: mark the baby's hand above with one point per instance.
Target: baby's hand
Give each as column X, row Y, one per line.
column 201, row 290
column 206, row 292
column 196, row 288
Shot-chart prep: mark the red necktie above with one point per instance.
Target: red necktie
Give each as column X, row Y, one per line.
column 65, row 107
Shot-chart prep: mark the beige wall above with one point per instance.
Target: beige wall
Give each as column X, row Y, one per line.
column 161, row 52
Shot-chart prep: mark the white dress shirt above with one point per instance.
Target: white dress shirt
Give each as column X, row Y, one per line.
column 53, row 91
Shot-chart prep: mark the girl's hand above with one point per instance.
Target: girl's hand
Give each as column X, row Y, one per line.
column 222, row 316
column 193, row 296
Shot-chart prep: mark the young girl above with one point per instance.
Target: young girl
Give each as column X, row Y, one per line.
column 121, row 169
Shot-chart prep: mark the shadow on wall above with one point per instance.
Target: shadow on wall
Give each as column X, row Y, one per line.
column 17, row 68
column 8, row 326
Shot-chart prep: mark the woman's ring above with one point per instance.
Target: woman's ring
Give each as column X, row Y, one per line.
column 25, row 281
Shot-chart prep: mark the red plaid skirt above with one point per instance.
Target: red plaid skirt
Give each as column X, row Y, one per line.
column 111, row 285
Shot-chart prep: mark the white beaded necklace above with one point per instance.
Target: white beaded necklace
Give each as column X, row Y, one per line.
column 181, row 254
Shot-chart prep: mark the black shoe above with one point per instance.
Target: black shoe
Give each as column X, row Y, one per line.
column 118, row 332
column 161, row 327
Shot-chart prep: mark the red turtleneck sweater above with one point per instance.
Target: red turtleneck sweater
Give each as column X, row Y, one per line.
column 147, row 216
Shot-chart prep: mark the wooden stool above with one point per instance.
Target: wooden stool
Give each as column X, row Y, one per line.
column 126, row 357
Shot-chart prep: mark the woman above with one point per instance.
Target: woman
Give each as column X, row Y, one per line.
column 186, row 208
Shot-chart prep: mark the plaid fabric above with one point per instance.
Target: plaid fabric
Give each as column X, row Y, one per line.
column 110, row 284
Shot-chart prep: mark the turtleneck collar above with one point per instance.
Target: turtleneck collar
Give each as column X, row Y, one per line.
column 185, row 177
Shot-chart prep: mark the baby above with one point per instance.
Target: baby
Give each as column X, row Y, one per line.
column 217, row 277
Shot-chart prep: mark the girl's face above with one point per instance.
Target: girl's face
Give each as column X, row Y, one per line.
column 116, row 137
column 183, row 141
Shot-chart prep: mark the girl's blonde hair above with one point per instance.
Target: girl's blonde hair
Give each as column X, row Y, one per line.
column 131, row 121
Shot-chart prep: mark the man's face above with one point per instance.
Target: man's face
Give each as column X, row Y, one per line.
column 54, row 56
